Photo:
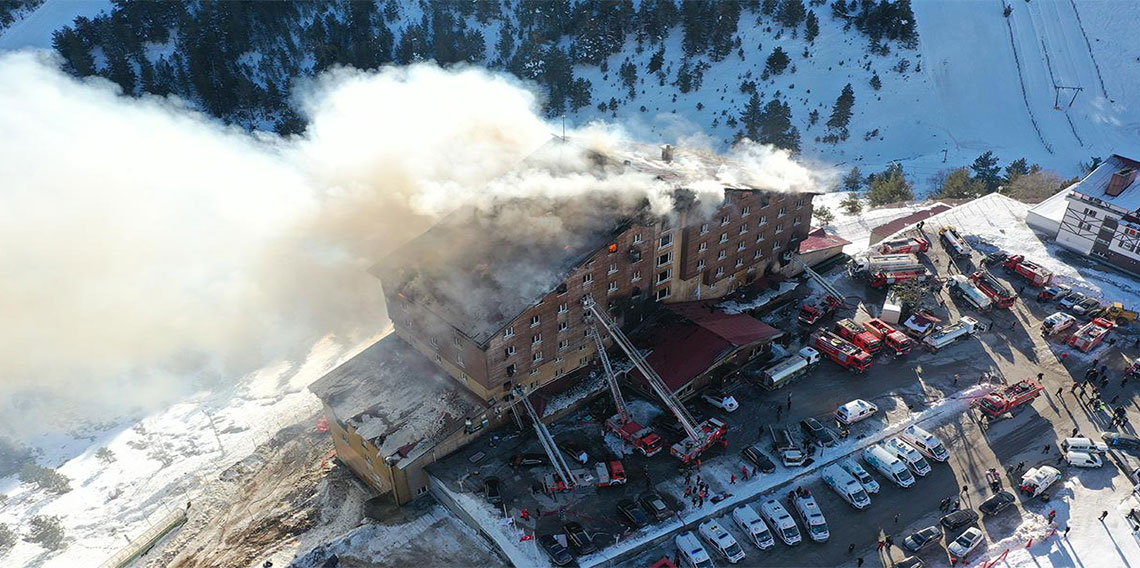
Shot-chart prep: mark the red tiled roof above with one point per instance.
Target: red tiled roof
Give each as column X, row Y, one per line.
column 736, row 329
column 686, row 351
column 903, row 222
column 819, row 240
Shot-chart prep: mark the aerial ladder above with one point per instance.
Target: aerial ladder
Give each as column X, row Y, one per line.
column 642, row 438
column 698, row 436
column 832, row 300
column 565, row 478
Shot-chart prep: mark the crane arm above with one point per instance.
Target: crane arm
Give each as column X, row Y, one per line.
column 619, row 401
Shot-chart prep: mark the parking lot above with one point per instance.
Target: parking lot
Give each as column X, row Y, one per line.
column 1012, row 349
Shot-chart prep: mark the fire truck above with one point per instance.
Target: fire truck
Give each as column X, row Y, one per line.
column 563, row 478
column 855, row 333
column 1091, row 334
column 1000, row 294
column 698, row 436
column 894, row 338
column 815, row 310
column 644, row 439
column 889, row 277
column 841, row 351
column 909, row 245
column 1009, row 399
column 954, row 243
column 1031, row 272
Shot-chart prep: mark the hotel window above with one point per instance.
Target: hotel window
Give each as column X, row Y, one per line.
column 703, row 247
column 740, row 246
column 664, row 276
column 666, row 240
column 536, row 357
column 563, row 326
column 665, row 259
column 795, row 221
column 535, row 320
column 724, row 220
column 779, row 227
column 536, row 339
column 759, row 254
column 720, row 271
column 763, row 220
column 459, row 359
column 744, row 228
column 587, row 278
column 721, row 255
column 700, row 265
column 563, row 308
column 613, row 267
column 636, row 276
column 760, row 238
column 783, row 211
column 613, row 287
column 663, row 293
column 435, row 342
column 704, row 228
column 724, row 237
column 535, row 371
column 455, row 340
column 739, row 262
column 564, row 344
column 800, row 202
column 637, row 238
column 510, row 350
column 776, row 245
column 746, row 212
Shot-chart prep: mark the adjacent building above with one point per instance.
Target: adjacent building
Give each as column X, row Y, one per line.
column 1102, row 220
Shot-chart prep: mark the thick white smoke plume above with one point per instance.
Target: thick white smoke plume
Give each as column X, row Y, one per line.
column 149, row 251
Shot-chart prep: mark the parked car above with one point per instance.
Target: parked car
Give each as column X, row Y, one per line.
column 528, row 460
column 1086, row 306
column 996, row 504
column 666, row 424
column 575, row 451
column 1123, row 442
column 653, row 504
column 818, row 433
column 1054, row 293
column 491, row 490
column 958, row 519
column 922, row 538
column 558, row 554
column 1072, row 299
column 720, row 400
column 757, row 456
column 632, row 514
column 965, row 543
column 580, row 540
column 910, row 562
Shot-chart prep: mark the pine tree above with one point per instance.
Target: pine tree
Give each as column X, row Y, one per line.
column 776, row 127
column 751, row 118
column 876, row 83
column 851, row 204
column 657, row 60
column 769, row 7
column 1016, row 169
column 628, row 73
column 841, row 112
column 959, row 185
column 890, row 186
column 987, row 171
column 811, row 27
column 853, row 180
column 777, row 62
column 791, row 13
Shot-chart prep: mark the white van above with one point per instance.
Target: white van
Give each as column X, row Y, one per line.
column 909, row 456
column 750, row 522
column 1085, row 445
column 889, row 465
column 1083, row 459
column 846, row 486
column 855, row 411
column 851, row 466
column 781, row 521
column 1036, row 480
column 692, row 553
column 811, row 515
column 721, row 541
column 925, row 442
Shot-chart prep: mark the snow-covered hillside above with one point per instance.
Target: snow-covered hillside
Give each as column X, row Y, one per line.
column 33, row 30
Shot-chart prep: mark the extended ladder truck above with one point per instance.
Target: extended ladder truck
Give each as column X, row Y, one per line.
column 698, row 437
column 832, row 300
column 563, row 479
column 645, row 440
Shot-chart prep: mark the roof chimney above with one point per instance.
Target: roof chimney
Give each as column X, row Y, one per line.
column 1120, row 181
column 667, row 153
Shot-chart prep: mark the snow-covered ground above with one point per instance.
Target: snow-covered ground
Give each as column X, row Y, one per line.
column 34, row 30
column 161, row 461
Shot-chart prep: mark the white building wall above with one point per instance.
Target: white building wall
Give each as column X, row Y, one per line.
column 1079, row 227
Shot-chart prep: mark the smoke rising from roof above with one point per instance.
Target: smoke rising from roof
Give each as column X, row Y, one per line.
column 150, row 252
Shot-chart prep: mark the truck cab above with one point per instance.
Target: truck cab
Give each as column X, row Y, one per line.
column 889, row 465
column 857, row 334
column 780, row 521
column 750, row 522
column 721, row 541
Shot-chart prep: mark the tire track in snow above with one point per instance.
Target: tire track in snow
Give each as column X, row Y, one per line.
column 1088, row 44
column 1024, row 95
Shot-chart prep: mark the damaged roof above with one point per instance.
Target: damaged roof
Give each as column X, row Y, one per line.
column 1096, row 183
column 396, row 398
